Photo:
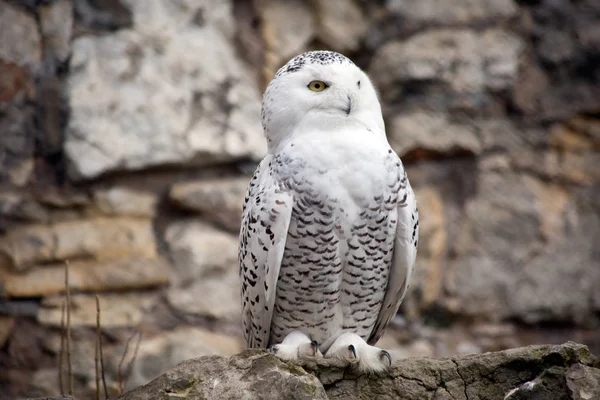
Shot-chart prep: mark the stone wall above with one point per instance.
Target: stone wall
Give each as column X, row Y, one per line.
column 129, row 129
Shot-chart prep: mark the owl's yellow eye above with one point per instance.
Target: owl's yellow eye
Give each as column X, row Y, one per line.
column 317, row 86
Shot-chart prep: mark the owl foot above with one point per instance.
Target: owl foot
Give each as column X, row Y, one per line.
column 296, row 345
column 349, row 346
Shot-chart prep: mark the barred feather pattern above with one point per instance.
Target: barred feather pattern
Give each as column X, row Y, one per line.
column 331, row 271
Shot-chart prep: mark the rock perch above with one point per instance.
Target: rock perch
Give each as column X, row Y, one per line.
column 541, row 372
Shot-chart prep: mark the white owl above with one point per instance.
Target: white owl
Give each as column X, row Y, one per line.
column 330, row 223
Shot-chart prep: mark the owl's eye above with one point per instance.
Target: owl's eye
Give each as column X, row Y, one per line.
column 317, row 86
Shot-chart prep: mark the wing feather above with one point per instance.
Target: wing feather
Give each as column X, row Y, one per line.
column 403, row 260
column 265, row 222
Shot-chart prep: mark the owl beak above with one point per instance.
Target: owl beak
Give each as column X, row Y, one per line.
column 348, row 108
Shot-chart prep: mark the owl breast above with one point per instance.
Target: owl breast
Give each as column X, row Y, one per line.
column 339, row 246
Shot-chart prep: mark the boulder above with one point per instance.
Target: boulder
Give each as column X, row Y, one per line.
column 558, row 372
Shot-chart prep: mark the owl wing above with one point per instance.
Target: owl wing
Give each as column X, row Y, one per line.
column 265, row 221
column 403, row 259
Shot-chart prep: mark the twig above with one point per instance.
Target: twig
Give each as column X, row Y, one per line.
column 97, row 351
column 100, row 352
column 69, row 365
column 120, row 368
column 120, row 381
column 135, row 353
column 61, row 353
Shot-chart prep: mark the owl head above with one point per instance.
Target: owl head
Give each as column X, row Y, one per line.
column 319, row 90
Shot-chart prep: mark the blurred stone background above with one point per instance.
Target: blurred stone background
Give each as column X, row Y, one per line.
column 129, row 129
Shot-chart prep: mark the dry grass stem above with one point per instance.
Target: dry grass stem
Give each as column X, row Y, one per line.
column 122, row 379
column 135, row 353
column 100, row 352
column 97, row 364
column 69, row 365
column 61, row 353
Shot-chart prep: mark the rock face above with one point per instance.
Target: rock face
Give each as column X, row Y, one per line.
column 469, row 111
column 168, row 90
column 566, row 372
column 129, row 130
column 205, row 281
column 217, row 200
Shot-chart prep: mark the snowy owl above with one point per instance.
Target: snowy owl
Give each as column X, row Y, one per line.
column 330, row 223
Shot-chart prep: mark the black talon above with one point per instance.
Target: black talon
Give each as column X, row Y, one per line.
column 272, row 349
column 352, row 349
column 314, row 345
column 385, row 354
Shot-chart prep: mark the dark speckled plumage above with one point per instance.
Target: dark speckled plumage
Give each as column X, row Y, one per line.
column 321, row 57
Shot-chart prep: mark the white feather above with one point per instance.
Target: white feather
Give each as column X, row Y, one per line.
column 403, row 261
column 260, row 258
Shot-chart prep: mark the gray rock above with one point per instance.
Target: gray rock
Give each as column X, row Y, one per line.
column 164, row 351
column 583, row 382
column 288, row 26
column 102, row 15
column 452, row 12
column 565, row 37
column 565, row 372
column 168, row 91
column 125, row 201
column 56, row 25
column 505, row 271
column 507, row 222
column 20, row 61
column 17, row 141
column 199, row 250
column 433, row 132
column 214, row 296
column 341, row 24
column 217, row 200
column 205, row 278
column 249, row 375
column 465, row 61
column 21, row 42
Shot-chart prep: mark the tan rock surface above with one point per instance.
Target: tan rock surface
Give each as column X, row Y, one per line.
column 99, row 238
column 116, row 310
column 131, row 274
